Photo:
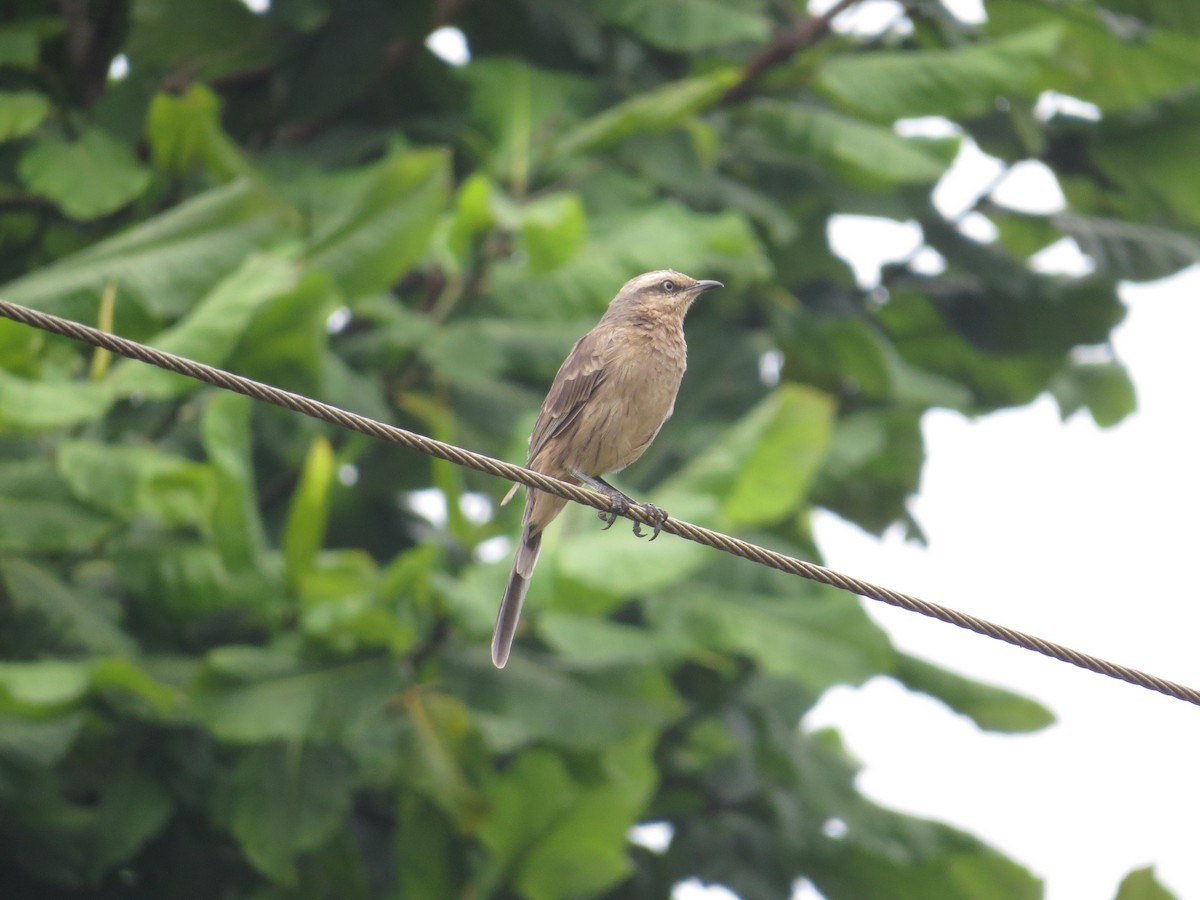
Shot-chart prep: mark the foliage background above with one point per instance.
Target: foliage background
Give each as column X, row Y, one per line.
column 238, row 661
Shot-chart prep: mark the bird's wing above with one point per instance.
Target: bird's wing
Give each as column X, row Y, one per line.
column 576, row 381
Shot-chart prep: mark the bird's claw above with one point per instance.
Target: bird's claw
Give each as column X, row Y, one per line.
column 658, row 518
column 620, row 505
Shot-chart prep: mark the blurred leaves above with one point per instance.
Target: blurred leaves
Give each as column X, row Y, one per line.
column 674, row 25
column 21, row 112
column 244, row 652
column 88, row 177
column 991, row 708
column 957, row 83
column 1142, row 884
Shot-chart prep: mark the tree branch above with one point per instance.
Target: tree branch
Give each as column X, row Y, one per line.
column 799, row 35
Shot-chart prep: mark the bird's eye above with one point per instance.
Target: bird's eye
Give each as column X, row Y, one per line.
column 668, row 286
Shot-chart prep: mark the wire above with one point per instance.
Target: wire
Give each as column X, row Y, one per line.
column 326, row 413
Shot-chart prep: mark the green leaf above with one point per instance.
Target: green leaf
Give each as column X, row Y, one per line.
column 287, row 340
column 944, row 870
column 282, row 800
column 1104, row 388
column 1142, row 884
column 127, row 677
column 792, row 426
column 683, row 25
column 658, row 110
column 552, row 230
column 129, row 481
column 472, row 216
column 533, row 703
column 1113, row 63
column 133, row 808
column 1173, row 15
column 27, row 405
column 82, row 617
column 589, row 641
column 210, row 40
column 342, row 604
column 383, row 220
column 958, row 83
column 38, row 742
column 840, row 354
column 87, row 178
column 814, row 637
column 437, row 757
column 308, row 513
column 165, row 262
column 1142, row 156
column 557, row 835
column 292, row 703
column 48, row 683
column 212, row 330
column 237, row 525
column 618, row 566
column 186, row 129
column 868, row 155
column 872, row 467
column 1128, row 250
column 1022, row 234
column 989, row 707
column 760, row 469
column 19, row 46
column 620, row 243
column 519, row 110
column 21, row 112
column 917, row 329
column 50, row 526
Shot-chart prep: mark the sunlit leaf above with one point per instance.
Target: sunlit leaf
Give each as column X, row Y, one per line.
column 308, row 514
column 185, row 130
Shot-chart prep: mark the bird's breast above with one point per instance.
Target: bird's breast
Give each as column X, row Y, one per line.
column 637, row 397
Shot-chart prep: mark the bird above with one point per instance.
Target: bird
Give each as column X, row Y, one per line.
column 608, row 401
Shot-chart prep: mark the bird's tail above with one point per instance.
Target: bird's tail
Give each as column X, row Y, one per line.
column 514, row 595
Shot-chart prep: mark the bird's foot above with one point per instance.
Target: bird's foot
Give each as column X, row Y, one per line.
column 620, row 506
column 619, row 503
column 658, row 518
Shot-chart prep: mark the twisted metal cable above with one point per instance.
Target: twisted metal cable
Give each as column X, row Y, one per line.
column 326, row 413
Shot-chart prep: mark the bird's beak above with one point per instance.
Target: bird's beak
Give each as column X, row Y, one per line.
column 701, row 286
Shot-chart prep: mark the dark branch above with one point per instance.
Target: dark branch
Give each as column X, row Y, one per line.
column 788, row 41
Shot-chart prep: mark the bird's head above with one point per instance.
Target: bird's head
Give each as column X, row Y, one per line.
column 659, row 293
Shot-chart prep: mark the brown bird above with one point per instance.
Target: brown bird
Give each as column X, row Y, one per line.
column 608, row 401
